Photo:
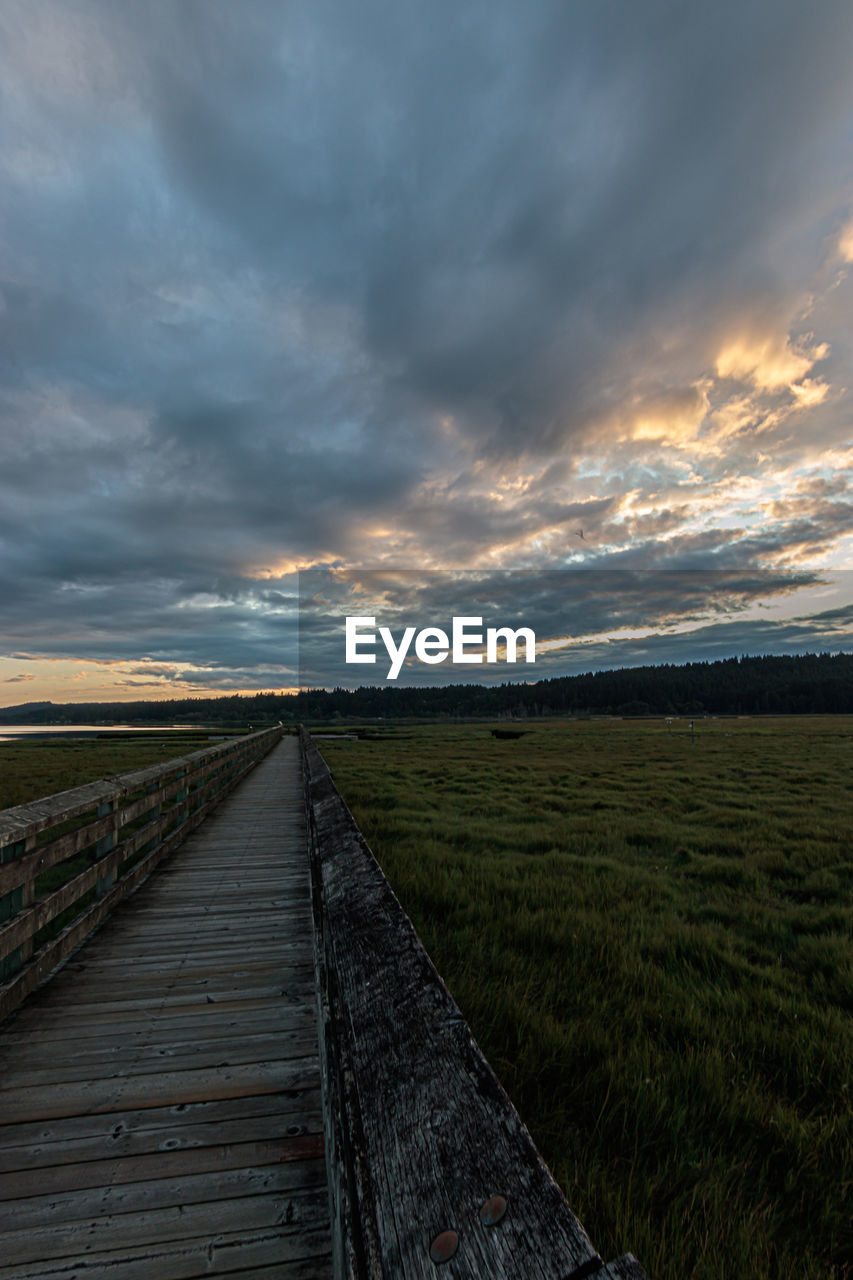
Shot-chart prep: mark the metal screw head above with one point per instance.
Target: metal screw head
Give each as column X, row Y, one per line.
column 444, row 1246
column 492, row 1211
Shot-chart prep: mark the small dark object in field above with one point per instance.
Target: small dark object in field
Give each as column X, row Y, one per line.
column 508, row 733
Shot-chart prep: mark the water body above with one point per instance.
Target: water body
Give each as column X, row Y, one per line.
column 8, row 732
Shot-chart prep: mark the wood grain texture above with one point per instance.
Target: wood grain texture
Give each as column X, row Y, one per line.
column 419, row 1132
column 160, row 1106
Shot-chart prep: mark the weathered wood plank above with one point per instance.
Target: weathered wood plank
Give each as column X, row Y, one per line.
column 212, row 940
column 117, row 1139
column 31, row 1020
column 180, row 1162
column 91, row 1204
column 221, row 1254
column 31, row 1049
column 165, row 1088
column 159, row 953
column 177, row 1222
column 145, row 976
column 132, row 1061
column 302, row 1269
column 151, row 1118
column 191, row 1002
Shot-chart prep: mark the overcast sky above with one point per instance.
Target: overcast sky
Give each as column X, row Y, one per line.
column 393, row 284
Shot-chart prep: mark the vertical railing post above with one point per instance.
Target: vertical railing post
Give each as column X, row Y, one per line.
column 105, row 845
column 13, row 902
column 182, row 807
column 152, row 815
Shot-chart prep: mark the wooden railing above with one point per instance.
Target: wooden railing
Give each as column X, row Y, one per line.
column 428, row 1160
column 67, row 860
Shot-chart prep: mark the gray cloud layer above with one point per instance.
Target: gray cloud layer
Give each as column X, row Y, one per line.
column 324, row 283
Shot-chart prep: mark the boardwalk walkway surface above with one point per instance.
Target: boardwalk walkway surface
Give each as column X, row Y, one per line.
column 160, row 1111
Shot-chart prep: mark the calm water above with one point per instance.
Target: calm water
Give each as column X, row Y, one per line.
column 10, row 731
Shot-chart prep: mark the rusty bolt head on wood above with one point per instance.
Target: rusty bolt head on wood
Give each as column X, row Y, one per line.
column 444, row 1246
column 493, row 1211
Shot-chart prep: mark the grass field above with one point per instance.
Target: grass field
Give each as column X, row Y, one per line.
column 32, row 768
column 653, row 943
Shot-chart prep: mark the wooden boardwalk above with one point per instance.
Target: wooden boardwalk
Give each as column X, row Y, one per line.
column 160, row 1109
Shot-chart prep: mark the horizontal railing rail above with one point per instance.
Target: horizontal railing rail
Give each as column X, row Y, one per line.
column 68, row 859
column 428, row 1160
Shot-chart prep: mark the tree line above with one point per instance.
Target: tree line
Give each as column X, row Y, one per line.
column 816, row 683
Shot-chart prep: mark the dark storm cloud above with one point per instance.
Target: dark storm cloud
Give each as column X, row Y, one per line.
column 500, row 194
column 309, row 283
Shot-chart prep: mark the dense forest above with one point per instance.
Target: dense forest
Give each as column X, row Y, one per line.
column 812, row 683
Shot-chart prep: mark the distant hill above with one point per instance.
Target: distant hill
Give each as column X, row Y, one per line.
column 810, row 683
column 9, row 714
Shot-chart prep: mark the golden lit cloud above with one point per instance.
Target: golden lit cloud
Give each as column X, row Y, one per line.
column 769, row 363
column 288, row 564
column 672, row 419
column 810, row 392
column 845, row 242
column 734, row 416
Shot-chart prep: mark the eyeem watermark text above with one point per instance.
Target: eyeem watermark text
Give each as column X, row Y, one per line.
column 433, row 645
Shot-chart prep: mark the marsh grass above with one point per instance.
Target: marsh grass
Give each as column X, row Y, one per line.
column 652, row 943
column 32, row 769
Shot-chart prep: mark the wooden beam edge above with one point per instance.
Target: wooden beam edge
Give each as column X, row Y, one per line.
column 338, row 850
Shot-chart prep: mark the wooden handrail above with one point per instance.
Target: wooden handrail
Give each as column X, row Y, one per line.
column 424, row 1148
column 124, row 826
